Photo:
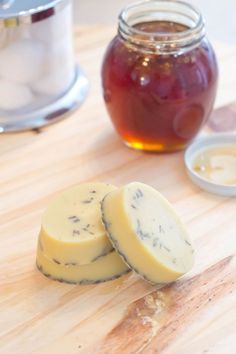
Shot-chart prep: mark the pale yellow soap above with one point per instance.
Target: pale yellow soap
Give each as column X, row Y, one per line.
column 146, row 231
column 72, row 232
column 103, row 269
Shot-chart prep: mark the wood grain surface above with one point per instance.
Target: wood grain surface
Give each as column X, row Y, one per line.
column 197, row 314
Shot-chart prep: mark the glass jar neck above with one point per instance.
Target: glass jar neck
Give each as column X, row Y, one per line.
column 161, row 42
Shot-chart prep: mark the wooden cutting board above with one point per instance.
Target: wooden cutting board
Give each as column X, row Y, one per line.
column 197, row 314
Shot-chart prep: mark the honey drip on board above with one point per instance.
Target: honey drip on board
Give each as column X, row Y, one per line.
column 217, row 164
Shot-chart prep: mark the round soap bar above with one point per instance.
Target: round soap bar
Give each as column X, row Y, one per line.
column 14, row 95
column 72, row 232
column 22, row 61
column 147, row 234
column 104, row 268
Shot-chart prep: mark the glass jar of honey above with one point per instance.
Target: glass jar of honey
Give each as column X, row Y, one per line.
column 159, row 75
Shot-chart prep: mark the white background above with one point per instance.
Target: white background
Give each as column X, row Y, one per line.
column 220, row 15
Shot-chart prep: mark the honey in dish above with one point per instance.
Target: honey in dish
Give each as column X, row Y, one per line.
column 158, row 102
column 217, row 164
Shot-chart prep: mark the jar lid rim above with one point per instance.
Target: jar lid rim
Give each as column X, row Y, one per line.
column 203, row 143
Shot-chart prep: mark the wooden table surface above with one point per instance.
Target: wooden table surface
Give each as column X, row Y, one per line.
column 197, row 314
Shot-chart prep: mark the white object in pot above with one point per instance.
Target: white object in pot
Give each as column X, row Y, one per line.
column 54, row 28
column 14, row 95
column 59, row 70
column 22, row 61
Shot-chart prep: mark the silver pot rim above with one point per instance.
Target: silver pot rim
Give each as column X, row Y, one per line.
column 36, row 14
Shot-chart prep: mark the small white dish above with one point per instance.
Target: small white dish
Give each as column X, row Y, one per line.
column 203, row 144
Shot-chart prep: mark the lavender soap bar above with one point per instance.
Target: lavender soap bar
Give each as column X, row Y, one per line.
column 72, row 232
column 148, row 234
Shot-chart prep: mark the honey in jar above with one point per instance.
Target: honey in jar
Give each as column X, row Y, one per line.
column 159, row 75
